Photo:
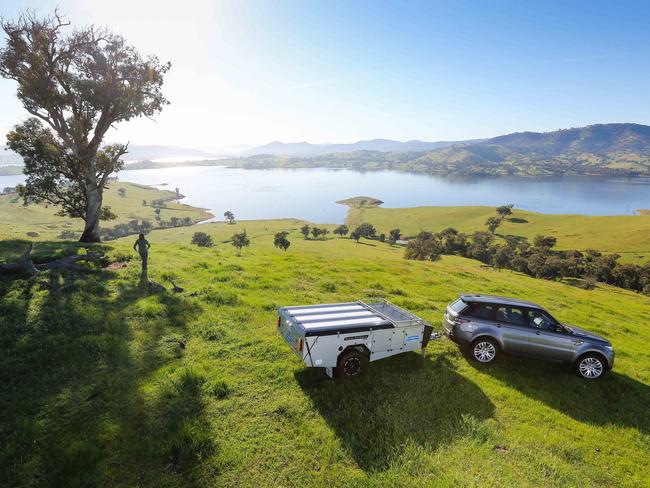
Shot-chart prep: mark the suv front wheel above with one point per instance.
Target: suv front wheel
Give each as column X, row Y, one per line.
column 484, row 350
column 590, row 366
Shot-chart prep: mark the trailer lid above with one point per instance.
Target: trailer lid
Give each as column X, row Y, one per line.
column 333, row 318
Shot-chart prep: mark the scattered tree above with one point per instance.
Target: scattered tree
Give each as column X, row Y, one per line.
column 366, row 230
column 394, row 235
column 178, row 192
column 426, row 246
column 492, row 223
column 342, row 230
column 202, row 239
column 75, row 87
column 505, row 210
column 315, row 231
column 240, row 240
column 356, row 235
column 144, row 203
column 382, row 237
column 280, row 241
column 305, row 231
column 121, row 192
column 229, row 216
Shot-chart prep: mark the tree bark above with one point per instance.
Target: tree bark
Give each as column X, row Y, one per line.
column 93, row 208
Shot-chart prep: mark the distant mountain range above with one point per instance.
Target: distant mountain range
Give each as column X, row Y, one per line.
column 277, row 148
column 601, row 149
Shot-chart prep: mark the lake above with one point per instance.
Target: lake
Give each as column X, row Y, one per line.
column 311, row 194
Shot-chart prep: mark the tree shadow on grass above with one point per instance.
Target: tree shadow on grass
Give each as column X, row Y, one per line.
column 73, row 412
column 401, row 400
column 614, row 399
column 12, row 249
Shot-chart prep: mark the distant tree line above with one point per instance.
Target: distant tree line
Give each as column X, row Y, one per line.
column 537, row 259
column 136, row 226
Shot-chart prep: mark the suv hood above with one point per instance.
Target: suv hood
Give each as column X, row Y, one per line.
column 580, row 332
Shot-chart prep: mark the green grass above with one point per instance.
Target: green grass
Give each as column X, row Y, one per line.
column 626, row 234
column 16, row 219
column 108, row 384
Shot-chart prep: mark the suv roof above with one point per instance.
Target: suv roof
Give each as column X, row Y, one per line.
column 500, row 300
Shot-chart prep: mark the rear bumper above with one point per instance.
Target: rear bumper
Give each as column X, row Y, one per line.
column 454, row 334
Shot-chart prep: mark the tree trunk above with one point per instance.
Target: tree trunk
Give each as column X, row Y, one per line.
column 93, row 208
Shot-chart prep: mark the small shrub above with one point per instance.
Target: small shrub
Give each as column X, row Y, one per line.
column 328, row 286
column 209, row 332
column 68, row 234
column 191, row 441
column 168, row 276
column 122, row 257
column 202, row 239
column 588, row 283
column 33, row 234
column 218, row 389
column 221, row 297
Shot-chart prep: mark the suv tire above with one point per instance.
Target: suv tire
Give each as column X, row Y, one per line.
column 351, row 363
column 591, row 366
column 484, row 350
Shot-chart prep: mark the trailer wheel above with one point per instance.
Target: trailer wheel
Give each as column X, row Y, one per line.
column 351, row 363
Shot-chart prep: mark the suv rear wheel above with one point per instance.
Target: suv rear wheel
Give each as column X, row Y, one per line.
column 484, row 350
column 590, row 366
column 351, row 363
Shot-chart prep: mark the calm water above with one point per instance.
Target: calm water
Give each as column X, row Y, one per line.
column 311, row 193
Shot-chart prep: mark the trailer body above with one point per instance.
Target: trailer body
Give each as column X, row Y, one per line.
column 321, row 334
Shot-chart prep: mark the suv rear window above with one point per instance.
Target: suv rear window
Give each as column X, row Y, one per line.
column 482, row 311
column 458, row 306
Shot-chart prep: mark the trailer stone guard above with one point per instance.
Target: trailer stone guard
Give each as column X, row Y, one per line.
column 344, row 337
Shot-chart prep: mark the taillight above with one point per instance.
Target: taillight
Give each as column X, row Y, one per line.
column 300, row 343
column 279, row 320
column 459, row 320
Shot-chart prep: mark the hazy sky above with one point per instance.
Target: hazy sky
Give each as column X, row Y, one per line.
column 256, row 71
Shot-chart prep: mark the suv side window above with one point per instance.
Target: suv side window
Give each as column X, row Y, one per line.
column 540, row 320
column 481, row 311
column 511, row 315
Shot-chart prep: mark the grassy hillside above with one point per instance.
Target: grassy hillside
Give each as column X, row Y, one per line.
column 16, row 219
column 627, row 235
column 109, row 384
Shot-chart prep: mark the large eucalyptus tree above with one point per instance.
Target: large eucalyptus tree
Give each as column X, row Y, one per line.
column 76, row 85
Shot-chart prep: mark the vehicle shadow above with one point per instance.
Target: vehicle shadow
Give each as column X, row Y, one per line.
column 614, row 399
column 401, row 400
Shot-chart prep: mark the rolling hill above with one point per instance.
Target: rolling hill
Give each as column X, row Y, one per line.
column 109, row 383
column 595, row 149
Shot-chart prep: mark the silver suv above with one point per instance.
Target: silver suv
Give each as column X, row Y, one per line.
column 490, row 325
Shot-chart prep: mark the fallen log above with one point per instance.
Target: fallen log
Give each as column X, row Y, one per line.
column 26, row 265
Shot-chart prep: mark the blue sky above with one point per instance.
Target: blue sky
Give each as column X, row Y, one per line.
column 256, row 71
